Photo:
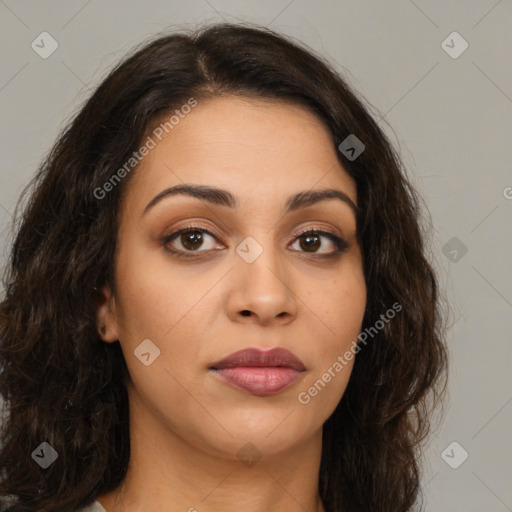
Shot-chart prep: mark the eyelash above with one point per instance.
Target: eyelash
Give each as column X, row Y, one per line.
column 340, row 243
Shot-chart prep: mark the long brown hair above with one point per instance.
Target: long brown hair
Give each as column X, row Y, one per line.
column 62, row 385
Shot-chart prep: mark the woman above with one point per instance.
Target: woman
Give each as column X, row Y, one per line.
column 219, row 297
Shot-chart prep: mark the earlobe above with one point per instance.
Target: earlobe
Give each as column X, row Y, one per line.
column 106, row 323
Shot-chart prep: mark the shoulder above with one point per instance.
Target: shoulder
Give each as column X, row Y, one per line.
column 94, row 507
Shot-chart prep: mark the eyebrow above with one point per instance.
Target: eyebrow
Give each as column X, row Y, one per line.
column 218, row 196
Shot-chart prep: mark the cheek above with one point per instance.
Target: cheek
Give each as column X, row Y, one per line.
column 342, row 306
column 153, row 294
column 162, row 303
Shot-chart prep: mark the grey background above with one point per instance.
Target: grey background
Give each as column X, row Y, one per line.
column 449, row 117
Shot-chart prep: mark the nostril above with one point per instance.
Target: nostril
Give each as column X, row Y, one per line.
column 246, row 312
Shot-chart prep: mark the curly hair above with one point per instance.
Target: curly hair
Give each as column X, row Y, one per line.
column 61, row 384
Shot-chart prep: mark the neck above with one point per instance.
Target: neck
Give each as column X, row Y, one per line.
column 168, row 473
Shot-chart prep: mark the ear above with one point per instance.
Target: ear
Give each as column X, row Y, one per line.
column 106, row 316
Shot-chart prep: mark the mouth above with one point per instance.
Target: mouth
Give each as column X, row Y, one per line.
column 259, row 372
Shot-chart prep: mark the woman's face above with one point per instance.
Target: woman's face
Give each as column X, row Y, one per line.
column 241, row 278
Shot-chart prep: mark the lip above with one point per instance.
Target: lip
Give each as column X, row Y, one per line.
column 260, row 372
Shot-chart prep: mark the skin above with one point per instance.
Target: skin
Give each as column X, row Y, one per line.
column 187, row 424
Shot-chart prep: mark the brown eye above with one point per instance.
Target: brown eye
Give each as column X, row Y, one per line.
column 190, row 239
column 311, row 241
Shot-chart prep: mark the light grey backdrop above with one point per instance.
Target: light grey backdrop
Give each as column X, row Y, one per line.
column 450, row 109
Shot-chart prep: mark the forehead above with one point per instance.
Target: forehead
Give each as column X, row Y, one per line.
column 256, row 148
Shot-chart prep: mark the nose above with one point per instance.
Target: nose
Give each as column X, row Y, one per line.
column 261, row 290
